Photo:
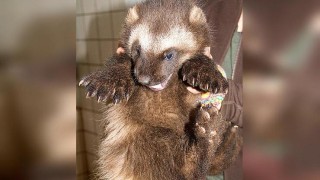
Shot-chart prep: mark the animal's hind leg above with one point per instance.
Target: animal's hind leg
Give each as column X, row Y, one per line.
column 228, row 150
column 203, row 145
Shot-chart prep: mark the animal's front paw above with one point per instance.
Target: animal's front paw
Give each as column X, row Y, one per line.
column 114, row 84
column 202, row 73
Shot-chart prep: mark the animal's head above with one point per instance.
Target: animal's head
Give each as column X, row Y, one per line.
column 160, row 35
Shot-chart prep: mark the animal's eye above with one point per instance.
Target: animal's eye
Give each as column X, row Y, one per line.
column 168, row 56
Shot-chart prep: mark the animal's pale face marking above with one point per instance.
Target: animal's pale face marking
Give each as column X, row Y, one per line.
column 143, row 35
column 177, row 37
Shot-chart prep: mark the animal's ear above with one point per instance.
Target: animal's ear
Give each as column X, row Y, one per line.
column 197, row 16
column 133, row 15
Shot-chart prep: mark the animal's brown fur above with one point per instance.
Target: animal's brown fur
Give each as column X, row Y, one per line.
column 163, row 134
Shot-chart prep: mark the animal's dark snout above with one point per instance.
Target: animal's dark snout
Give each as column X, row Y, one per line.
column 144, row 80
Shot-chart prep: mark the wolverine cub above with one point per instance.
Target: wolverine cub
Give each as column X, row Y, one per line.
column 155, row 128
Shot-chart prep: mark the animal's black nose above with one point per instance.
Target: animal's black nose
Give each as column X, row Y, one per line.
column 144, row 80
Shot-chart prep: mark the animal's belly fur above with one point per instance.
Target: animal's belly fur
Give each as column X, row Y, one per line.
column 143, row 145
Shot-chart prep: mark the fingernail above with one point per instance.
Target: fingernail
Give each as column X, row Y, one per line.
column 81, row 82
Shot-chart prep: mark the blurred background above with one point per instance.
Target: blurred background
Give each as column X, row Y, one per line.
column 39, row 45
column 37, row 91
column 281, row 89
